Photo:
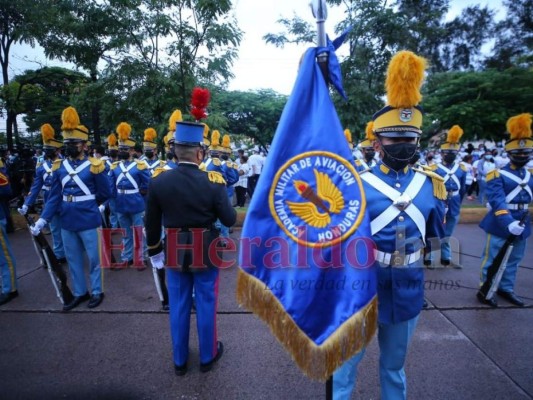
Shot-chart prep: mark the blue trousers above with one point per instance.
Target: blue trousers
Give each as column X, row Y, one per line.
column 482, row 185
column 8, row 266
column 113, row 220
column 55, row 228
column 75, row 243
column 449, row 227
column 127, row 221
column 180, row 293
column 493, row 244
column 394, row 340
column 224, row 230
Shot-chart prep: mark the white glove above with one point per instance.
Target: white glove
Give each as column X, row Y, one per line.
column 36, row 228
column 23, row 210
column 101, row 208
column 158, row 261
column 489, row 207
column 515, row 228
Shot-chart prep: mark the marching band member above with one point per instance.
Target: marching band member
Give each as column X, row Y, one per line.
column 367, row 150
column 405, row 207
column 130, row 182
column 509, row 191
column 43, row 181
column 79, row 185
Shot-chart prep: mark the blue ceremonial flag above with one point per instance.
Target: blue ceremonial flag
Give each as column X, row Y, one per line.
column 306, row 256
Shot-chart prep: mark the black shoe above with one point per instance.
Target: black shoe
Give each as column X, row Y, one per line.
column 425, row 304
column 208, row 366
column 427, row 263
column 511, row 298
column 445, row 263
column 7, row 297
column 62, row 260
column 165, row 307
column 222, row 244
column 95, row 301
column 180, row 370
column 491, row 302
column 76, row 301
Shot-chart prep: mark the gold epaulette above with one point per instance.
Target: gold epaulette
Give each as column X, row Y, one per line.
column 358, row 163
column 141, row 165
column 216, row 162
column 530, row 170
column 463, row 167
column 114, row 164
column 2, row 164
column 36, row 166
column 439, row 190
column 234, row 166
column 430, row 167
column 216, row 177
column 202, row 166
column 97, row 165
column 56, row 164
column 493, row 173
column 158, row 171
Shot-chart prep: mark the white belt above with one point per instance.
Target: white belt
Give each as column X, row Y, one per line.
column 71, row 198
column 517, row 206
column 396, row 259
column 453, row 192
column 46, row 188
column 127, row 191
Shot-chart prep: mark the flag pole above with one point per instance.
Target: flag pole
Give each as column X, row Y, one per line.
column 320, row 12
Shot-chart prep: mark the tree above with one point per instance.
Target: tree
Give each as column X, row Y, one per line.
column 17, row 22
column 514, row 37
column 480, row 102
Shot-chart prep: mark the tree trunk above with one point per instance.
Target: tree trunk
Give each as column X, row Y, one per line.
column 9, row 131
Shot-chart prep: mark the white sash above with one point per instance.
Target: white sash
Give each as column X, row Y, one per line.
column 450, row 173
column 73, row 174
column 126, row 174
column 48, row 171
column 387, row 216
column 523, row 184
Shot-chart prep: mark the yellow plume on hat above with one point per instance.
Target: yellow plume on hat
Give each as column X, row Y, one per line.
column 112, row 140
column 348, row 135
column 225, row 141
column 215, row 138
column 123, row 130
column 175, row 117
column 82, row 128
column 405, row 75
column 369, row 131
column 454, row 134
column 149, row 134
column 167, row 137
column 519, row 126
column 70, row 119
column 206, row 135
column 47, row 132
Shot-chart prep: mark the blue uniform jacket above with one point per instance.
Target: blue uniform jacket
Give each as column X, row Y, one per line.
column 453, row 201
column 77, row 215
column 401, row 289
column 232, row 174
column 41, row 180
column 500, row 216
column 128, row 198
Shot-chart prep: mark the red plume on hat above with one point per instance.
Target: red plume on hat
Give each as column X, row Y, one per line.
column 200, row 100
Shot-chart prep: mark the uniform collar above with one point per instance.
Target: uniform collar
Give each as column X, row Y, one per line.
column 188, row 164
column 388, row 171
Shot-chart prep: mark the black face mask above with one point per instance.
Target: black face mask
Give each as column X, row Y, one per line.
column 123, row 155
column 369, row 156
column 170, row 156
column 398, row 155
column 224, row 157
column 149, row 154
column 72, row 151
column 519, row 161
column 49, row 154
column 449, row 158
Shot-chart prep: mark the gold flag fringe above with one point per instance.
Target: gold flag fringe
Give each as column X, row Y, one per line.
column 317, row 362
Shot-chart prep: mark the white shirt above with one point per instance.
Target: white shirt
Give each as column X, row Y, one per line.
column 243, row 179
column 469, row 173
column 255, row 163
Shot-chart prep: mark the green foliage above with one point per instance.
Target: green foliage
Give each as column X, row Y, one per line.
column 480, row 102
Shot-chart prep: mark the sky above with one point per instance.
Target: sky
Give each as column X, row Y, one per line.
column 260, row 65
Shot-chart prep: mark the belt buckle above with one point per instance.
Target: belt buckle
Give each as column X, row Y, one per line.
column 69, row 198
column 520, row 206
column 397, row 259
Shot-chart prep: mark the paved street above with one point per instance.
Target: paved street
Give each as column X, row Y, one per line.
column 121, row 350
